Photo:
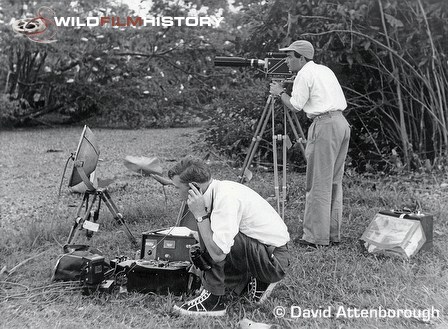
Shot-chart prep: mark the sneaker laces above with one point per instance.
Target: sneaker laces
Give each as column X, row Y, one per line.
column 256, row 290
column 198, row 300
column 253, row 288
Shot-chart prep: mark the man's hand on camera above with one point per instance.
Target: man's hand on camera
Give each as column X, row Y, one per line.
column 275, row 88
column 196, row 202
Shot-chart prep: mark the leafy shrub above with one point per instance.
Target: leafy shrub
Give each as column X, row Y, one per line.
column 11, row 111
column 235, row 113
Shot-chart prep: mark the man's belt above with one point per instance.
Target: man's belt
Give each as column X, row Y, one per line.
column 325, row 115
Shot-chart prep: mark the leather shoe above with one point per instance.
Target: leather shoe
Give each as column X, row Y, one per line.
column 306, row 243
column 315, row 246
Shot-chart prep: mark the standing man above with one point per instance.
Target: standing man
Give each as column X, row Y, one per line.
column 318, row 93
column 242, row 238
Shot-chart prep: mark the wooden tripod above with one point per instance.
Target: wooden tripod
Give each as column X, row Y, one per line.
column 288, row 117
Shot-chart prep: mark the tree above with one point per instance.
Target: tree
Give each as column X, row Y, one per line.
column 133, row 77
column 391, row 60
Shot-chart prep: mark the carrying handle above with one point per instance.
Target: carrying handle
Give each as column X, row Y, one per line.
column 68, row 248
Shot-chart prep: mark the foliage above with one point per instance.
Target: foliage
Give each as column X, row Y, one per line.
column 231, row 127
column 12, row 110
column 391, row 61
column 239, row 108
column 389, row 56
column 133, row 77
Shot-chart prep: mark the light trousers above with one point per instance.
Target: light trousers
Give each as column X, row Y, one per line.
column 326, row 150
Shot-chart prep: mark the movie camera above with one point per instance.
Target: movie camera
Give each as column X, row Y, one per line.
column 273, row 66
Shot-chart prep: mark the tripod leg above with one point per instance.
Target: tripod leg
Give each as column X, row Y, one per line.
column 262, row 122
column 256, row 133
column 78, row 218
column 94, row 215
column 78, row 225
column 85, row 200
column 72, row 231
column 299, row 126
column 296, row 135
column 105, row 196
column 284, row 163
column 274, row 156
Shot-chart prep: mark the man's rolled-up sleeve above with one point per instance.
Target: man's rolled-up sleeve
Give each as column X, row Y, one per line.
column 300, row 93
column 225, row 223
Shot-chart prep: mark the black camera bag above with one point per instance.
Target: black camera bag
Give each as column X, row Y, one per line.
column 80, row 263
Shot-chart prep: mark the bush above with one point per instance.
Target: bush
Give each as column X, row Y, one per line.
column 11, row 111
column 234, row 115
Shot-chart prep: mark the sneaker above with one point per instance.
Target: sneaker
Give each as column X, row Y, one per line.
column 205, row 304
column 259, row 291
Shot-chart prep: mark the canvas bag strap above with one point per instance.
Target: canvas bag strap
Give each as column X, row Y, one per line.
column 85, row 179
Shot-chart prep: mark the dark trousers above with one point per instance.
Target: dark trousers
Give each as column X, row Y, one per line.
column 248, row 257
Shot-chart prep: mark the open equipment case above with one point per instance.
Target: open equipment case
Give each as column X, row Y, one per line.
column 164, row 265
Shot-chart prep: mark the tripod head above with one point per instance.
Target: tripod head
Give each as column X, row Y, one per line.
column 287, row 83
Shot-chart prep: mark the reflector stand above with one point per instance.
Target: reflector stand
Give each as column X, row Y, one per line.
column 85, row 161
column 82, row 222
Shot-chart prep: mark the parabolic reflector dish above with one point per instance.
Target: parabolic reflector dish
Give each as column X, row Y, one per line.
column 86, row 157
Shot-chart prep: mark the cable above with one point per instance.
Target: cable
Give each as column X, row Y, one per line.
column 71, row 157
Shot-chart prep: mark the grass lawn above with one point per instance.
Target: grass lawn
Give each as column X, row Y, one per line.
column 321, row 290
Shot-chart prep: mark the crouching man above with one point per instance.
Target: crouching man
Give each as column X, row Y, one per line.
column 242, row 238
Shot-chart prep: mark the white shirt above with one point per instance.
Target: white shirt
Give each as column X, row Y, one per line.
column 316, row 90
column 238, row 208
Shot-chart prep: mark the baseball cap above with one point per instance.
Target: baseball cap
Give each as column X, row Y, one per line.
column 302, row 47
